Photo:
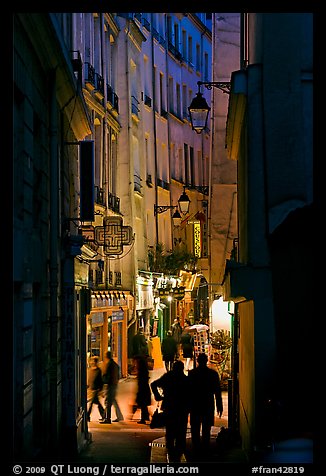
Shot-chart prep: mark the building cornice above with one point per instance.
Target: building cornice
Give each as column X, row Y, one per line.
column 54, row 56
column 112, row 23
column 200, row 25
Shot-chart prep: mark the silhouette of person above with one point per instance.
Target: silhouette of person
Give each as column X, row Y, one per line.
column 187, row 347
column 176, row 334
column 143, row 395
column 94, row 387
column 111, row 379
column 205, row 392
column 175, row 396
column 139, row 344
column 169, row 349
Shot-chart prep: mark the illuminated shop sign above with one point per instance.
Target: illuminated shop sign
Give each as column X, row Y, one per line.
column 197, row 240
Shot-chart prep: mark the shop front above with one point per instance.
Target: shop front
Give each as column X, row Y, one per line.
column 144, row 304
column 107, row 326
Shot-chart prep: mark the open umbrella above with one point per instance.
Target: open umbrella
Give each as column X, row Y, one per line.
column 198, row 327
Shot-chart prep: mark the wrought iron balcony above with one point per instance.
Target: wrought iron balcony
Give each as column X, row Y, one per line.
column 89, row 75
column 112, row 97
column 114, row 202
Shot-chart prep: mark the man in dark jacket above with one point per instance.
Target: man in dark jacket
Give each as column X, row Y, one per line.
column 175, row 396
column 139, row 344
column 111, row 379
column 205, row 391
column 169, row 349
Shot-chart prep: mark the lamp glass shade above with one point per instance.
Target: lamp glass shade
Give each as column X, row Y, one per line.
column 176, row 217
column 184, row 203
column 198, row 112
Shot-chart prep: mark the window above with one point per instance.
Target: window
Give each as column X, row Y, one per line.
column 178, row 93
column 198, row 68
column 184, row 44
column 162, row 101
column 171, row 95
column 186, row 164
column 190, row 58
column 192, row 166
column 206, row 67
column 176, row 36
column 184, row 101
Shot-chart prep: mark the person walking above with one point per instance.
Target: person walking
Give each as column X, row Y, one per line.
column 94, row 387
column 205, row 392
column 187, row 347
column 172, row 387
column 176, row 334
column 110, row 379
column 169, row 349
column 139, row 344
column 143, row 395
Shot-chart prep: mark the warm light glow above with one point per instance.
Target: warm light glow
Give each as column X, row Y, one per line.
column 221, row 318
column 184, row 202
column 197, row 240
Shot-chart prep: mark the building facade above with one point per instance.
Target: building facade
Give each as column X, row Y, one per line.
column 49, row 114
column 102, row 138
column 269, row 134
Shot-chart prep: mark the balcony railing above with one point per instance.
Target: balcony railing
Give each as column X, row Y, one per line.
column 113, row 202
column 162, row 183
column 146, row 24
column 99, row 85
column 137, row 183
column 99, row 195
column 155, row 34
column 89, row 75
column 149, row 180
column 164, row 113
column 76, row 64
column 112, row 97
column 134, row 106
column 148, row 101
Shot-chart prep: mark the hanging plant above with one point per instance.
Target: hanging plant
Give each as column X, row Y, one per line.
column 170, row 262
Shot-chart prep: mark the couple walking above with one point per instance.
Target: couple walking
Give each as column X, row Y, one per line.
column 196, row 394
column 108, row 382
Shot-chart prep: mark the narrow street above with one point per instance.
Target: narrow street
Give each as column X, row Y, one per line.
column 128, row 441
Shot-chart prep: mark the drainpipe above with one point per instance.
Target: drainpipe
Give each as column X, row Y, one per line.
column 54, row 257
column 210, row 188
column 169, row 125
column 104, row 136
column 154, row 127
column 131, row 170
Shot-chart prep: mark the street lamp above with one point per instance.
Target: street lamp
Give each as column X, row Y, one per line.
column 199, row 109
column 176, row 217
column 184, row 202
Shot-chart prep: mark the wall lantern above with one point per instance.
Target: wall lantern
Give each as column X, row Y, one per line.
column 199, row 109
column 184, row 203
column 176, row 217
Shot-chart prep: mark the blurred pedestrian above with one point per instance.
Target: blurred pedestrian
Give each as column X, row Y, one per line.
column 111, row 379
column 139, row 344
column 187, row 347
column 94, row 387
column 205, row 392
column 169, row 349
column 143, row 395
column 176, row 334
column 172, row 387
